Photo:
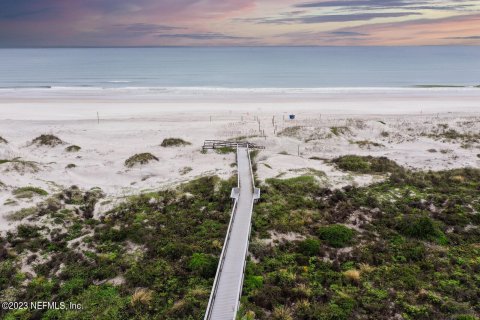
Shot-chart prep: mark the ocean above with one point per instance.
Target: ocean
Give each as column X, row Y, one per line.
column 240, row 67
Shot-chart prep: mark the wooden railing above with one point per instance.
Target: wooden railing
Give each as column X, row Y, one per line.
column 215, row 144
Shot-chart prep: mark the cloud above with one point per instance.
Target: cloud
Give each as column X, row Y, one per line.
column 463, row 29
column 203, row 36
column 347, row 33
column 332, row 18
column 213, row 22
column 386, row 4
column 350, row 3
column 145, row 28
column 464, row 38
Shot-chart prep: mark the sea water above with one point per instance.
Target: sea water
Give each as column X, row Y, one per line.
column 240, row 67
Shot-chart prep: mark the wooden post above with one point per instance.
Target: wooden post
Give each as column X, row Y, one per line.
column 299, row 150
column 98, row 118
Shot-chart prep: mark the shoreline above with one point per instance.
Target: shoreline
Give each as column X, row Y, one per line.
column 75, row 104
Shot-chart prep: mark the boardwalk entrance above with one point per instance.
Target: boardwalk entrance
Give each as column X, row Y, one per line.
column 227, row 286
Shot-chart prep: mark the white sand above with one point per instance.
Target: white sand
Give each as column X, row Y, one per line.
column 134, row 121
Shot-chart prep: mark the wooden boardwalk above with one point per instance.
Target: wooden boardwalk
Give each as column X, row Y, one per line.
column 227, row 287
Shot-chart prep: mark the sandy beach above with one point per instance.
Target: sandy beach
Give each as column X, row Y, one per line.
column 405, row 125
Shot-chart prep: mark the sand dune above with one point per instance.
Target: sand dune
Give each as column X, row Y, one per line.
column 407, row 128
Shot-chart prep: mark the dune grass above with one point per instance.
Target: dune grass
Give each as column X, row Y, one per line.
column 49, row 140
column 140, row 159
column 73, row 148
column 174, row 142
column 28, row 192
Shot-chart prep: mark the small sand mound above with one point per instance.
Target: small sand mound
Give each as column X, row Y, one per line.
column 19, row 165
column 174, row 142
column 47, row 140
column 2, row 140
column 140, row 158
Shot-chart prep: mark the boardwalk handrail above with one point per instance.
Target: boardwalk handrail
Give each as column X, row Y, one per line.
column 213, row 144
column 222, row 256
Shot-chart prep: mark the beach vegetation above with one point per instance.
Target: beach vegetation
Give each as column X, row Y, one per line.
column 71, row 166
column 336, row 235
column 164, row 246
column 453, row 135
column 19, row 165
column 3, row 140
column 140, row 159
column 293, row 132
column 407, row 245
column 366, row 164
column 338, row 131
column 174, row 142
column 22, row 214
column 28, row 192
column 73, row 148
column 243, row 138
column 48, row 140
column 367, row 144
column 385, row 249
column 183, row 171
column 225, row 150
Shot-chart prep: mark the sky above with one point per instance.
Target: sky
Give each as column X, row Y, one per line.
column 51, row 23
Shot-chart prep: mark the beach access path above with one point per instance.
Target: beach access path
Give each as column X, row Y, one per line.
column 227, row 288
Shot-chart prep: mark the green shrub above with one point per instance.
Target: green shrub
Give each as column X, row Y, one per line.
column 141, row 158
column 336, row 235
column 420, row 227
column 252, row 282
column 367, row 164
column 7, row 273
column 309, row 247
column 203, row 264
column 174, row 142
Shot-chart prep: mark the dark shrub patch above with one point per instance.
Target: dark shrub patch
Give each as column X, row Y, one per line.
column 47, row 140
column 73, row 148
column 174, row 142
column 309, row 247
column 336, row 235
